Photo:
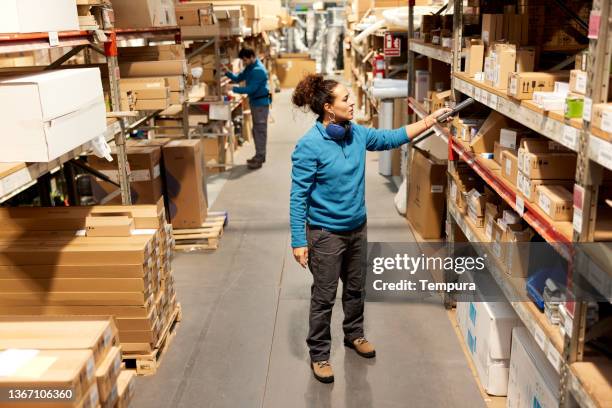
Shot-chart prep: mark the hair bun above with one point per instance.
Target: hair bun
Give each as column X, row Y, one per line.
column 306, row 89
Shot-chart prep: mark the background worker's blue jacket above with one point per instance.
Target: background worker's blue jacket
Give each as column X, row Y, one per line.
column 256, row 88
column 328, row 178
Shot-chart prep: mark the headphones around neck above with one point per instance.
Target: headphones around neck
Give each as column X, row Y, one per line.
column 336, row 131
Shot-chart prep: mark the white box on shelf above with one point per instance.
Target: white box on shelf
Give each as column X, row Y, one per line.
column 533, row 381
column 32, row 16
column 486, row 326
column 47, row 114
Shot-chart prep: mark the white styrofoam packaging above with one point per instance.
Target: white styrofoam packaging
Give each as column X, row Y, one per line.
column 486, row 324
column 33, row 16
column 47, row 114
column 533, row 381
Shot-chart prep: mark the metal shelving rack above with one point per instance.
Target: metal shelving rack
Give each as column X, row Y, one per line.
column 594, row 154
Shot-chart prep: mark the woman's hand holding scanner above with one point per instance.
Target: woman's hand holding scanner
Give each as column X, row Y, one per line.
column 301, row 256
column 433, row 118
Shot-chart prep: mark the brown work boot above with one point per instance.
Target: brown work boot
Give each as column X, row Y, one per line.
column 322, row 371
column 363, row 347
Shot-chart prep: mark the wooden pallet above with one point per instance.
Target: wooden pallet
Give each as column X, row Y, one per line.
column 148, row 363
column 207, row 236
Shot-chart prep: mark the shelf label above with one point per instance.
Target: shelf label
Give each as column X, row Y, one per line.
column 586, row 111
column 520, row 206
column 570, row 137
column 53, row 39
column 553, row 357
column 493, row 101
column 605, row 154
column 577, row 220
column 539, row 337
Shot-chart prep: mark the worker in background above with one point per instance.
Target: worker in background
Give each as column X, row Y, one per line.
column 328, row 212
column 257, row 89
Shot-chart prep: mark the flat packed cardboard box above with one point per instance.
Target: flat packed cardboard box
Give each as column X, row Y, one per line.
column 490, row 30
column 33, row 16
column 532, row 381
column 525, row 59
column 426, row 198
column 125, row 388
column 556, row 201
column 144, row 13
column 186, row 182
column 63, row 109
column 153, row 68
column 152, row 53
column 112, row 226
column 509, row 166
column 516, row 238
column 93, row 333
column 503, row 64
column 484, row 141
column 522, row 85
column 106, row 374
column 54, row 369
column 145, row 175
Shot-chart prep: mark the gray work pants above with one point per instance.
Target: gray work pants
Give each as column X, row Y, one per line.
column 333, row 256
column 260, row 130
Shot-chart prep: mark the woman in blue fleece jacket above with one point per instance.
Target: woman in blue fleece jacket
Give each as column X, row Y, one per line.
column 328, row 212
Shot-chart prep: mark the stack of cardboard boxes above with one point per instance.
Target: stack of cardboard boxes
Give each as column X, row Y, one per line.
column 144, row 13
column 101, row 260
column 79, row 356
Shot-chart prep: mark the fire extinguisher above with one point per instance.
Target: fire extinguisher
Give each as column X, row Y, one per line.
column 378, row 64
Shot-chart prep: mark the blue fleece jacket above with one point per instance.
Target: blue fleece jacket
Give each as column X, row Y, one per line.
column 328, row 178
column 256, row 88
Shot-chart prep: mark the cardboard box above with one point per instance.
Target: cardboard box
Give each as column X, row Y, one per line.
column 490, row 31
column 601, row 117
column 474, row 57
column 107, row 373
column 152, row 53
column 33, row 16
column 152, row 104
column 578, row 81
column 497, row 152
column 487, row 329
column 511, row 137
column 525, row 59
column 154, row 69
column 516, row 238
column 484, row 141
column 290, row 71
column 503, row 64
column 527, row 186
column 509, row 166
column 438, row 100
column 557, row 166
column 426, row 198
column 186, row 182
column 522, row 85
column 113, row 226
column 94, row 334
column 532, row 381
column 145, row 174
column 144, row 13
column 146, row 88
column 556, row 201
column 492, row 212
column 54, row 369
column 125, row 388
column 63, row 109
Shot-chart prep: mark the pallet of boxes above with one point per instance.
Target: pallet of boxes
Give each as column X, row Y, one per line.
column 100, row 260
column 63, row 362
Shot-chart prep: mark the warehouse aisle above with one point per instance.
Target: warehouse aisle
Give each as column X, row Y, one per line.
column 242, row 339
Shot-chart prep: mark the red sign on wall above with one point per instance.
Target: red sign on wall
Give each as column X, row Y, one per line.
column 393, row 46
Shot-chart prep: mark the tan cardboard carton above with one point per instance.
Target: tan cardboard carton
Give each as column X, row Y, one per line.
column 556, row 201
column 509, row 166
column 522, row 85
column 106, row 375
column 109, row 226
column 527, row 186
column 37, row 369
column 186, row 182
column 474, row 57
column 484, row 140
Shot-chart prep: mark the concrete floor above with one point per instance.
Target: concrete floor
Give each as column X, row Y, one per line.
column 241, row 343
